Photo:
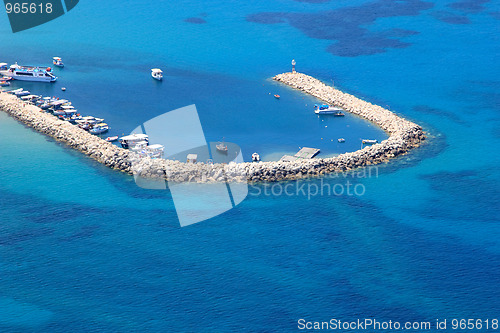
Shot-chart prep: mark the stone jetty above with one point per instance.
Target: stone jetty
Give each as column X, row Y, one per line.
column 403, row 136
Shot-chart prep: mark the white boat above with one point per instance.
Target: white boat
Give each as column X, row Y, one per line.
column 133, row 139
column 157, row 74
column 90, row 120
column 221, row 146
column 14, row 91
column 69, row 109
column 22, row 93
column 28, row 73
column 155, row 151
column 30, row 98
column 255, row 157
column 4, row 83
column 341, row 140
column 139, row 146
column 369, row 142
column 327, row 109
column 99, row 128
column 111, row 138
column 57, row 61
column 58, row 102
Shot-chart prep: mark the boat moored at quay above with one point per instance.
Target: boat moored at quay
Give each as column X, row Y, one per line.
column 132, row 140
column 27, row 73
column 328, row 109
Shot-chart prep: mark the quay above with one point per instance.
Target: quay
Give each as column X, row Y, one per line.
column 404, row 135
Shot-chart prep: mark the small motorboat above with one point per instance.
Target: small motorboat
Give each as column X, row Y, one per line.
column 99, row 128
column 328, row 109
column 4, row 83
column 63, row 89
column 255, row 157
column 221, row 146
column 155, row 151
column 338, row 114
column 22, row 93
column 157, row 74
column 131, row 140
column 112, row 138
column 57, row 61
column 5, row 78
column 369, row 142
column 13, row 92
column 277, row 96
column 84, row 126
column 30, row 98
column 341, row 140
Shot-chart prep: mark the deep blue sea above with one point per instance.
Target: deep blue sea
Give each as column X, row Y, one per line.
column 83, row 249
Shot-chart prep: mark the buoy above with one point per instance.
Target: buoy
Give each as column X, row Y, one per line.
column 63, row 89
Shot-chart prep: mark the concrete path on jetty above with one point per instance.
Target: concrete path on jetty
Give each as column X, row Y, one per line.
column 403, row 136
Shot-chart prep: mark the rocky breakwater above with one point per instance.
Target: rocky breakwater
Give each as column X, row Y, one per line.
column 73, row 136
column 403, row 136
column 113, row 156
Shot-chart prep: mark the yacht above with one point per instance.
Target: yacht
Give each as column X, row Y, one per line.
column 57, row 61
column 133, row 139
column 327, row 109
column 28, row 73
column 157, row 74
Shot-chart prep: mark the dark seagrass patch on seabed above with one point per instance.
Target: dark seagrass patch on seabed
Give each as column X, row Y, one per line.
column 347, row 26
column 469, row 6
column 195, row 20
column 456, row 191
column 451, row 18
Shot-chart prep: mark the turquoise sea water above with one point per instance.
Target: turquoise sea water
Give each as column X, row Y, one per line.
column 84, row 249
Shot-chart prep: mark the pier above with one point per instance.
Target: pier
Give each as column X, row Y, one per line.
column 304, row 153
column 403, row 136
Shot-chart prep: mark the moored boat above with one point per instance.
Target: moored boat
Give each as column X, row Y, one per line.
column 369, row 142
column 30, row 98
column 157, row 74
column 133, row 139
column 328, row 109
column 99, row 128
column 28, row 73
column 22, row 93
column 14, row 91
column 341, row 140
column 221, row 146
column 277, row 96
column 57, row 61
column 155, row 151
column 112, row 138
